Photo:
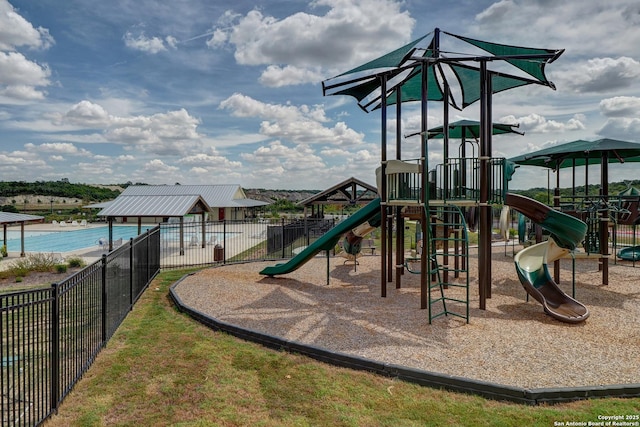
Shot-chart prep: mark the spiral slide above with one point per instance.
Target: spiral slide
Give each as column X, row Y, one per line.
column 368, row 216
column 532, row 262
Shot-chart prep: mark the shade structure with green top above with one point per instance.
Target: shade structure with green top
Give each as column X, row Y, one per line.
column 402, row 70
column 580, row 153
column 469, row 129
column 458, row 71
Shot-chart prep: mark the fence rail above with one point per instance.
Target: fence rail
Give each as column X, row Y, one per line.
column 49, row 337
column 231, row 241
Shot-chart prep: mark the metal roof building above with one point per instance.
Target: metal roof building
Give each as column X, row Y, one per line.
column 159, row 203
column 226, row 201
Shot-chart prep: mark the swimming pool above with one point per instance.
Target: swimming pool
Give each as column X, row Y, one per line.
column 83, row 238
column 66, row 241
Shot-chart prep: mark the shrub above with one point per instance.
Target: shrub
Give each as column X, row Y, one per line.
column 76, row 262
column 42, row 261
column 3, row 251
column 61, row 268
column 33, row 262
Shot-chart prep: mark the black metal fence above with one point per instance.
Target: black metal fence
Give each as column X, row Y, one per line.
column 49, row 337
column 197, row 244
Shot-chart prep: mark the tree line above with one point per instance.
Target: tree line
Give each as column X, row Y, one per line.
column 62, row 188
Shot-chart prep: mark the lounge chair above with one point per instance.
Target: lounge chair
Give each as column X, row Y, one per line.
column 103, row 243
column 117, row 243
column 54, row 222
column 63, row 223
column 83, row 223
column 74, row 223
column 193, row 241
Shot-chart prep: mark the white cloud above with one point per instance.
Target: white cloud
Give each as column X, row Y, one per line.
column 57, row 148
column 274, row 162
column 211, row 162
column 339, row 38
column 601, row 75
column 21, row 93
column 583, row 28
column 275, row 76
column 158, row 166
column 16, row 69
column 151, row 45
column 297, row 124
column 535, row 123
column 218, row 39
column 171, row 133
column 625, row 128
column 19, row 77
column 87, row 114
column 496, row 12
column 15, row 31
column 620, row 106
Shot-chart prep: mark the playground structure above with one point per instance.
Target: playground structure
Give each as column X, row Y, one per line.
column 441, row 198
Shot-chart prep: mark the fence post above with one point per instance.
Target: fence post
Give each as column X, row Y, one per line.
column 55, row 347
column 146, row 277
column 224, row 241
column 282, row 240
column 131, row 252
column 104, row 299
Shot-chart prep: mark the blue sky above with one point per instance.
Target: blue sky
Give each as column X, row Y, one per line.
column 203, row 92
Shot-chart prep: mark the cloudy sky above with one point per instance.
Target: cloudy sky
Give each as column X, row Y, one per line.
column 204, row 92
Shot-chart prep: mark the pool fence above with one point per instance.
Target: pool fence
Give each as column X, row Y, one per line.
column 49, row 337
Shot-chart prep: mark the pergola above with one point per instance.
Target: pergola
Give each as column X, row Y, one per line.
column 347, row 193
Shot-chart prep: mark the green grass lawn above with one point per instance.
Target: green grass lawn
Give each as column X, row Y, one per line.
column 162, row 368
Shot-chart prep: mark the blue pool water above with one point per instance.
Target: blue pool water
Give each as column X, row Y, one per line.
column 65, row 241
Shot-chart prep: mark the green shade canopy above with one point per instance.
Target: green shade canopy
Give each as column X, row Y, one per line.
column 469, row 129
column 402, row 70
column 581, row 153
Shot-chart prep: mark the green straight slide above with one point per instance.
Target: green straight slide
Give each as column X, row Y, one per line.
column 369, row 213
column 532, row 262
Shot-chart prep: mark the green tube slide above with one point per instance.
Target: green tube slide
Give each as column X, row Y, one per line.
column 532, row 262
column 369, row 213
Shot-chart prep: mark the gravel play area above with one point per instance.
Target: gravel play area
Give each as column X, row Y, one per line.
column 512, row 342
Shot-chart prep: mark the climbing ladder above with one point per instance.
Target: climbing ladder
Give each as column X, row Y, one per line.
column 448, row 258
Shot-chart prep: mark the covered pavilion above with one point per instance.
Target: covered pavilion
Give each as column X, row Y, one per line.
column 11, row 218
column 349, row 192
column 161, row 203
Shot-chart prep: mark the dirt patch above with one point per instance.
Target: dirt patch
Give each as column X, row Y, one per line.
column 34, row 280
